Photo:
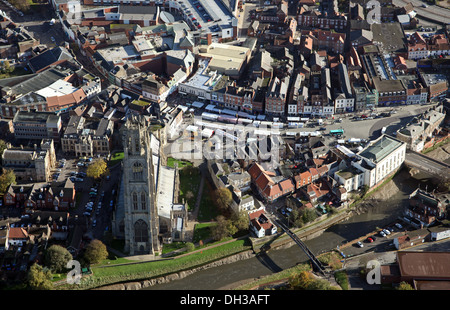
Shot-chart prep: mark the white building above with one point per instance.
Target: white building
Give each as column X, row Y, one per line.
column 382, row 157
column 201, row 84
column 351, row 178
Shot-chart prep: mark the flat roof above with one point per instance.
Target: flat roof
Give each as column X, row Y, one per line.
column 425, row 265
column 390, row 35
column 381, row 148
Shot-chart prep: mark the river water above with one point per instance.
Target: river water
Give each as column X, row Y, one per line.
column 380, row 214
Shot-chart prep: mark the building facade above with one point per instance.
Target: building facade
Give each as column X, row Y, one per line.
column 141, row 214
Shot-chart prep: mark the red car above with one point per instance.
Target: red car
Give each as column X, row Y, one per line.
column 369, row 240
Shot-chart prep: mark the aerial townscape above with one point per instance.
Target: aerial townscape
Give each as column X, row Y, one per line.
column 277, row 145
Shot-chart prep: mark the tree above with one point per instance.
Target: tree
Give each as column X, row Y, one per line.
column 223, row 198
column 190, row 246
column 404, row 286
column 56, row 258
column 6, row 179
column 224, row 228
column 6, row 67
column 309, row 215
column 301, row 280
column 2, row 147
column 240, row 220
column 95, row 252
column 39, row 278
column 189, row 195
column 97, row 169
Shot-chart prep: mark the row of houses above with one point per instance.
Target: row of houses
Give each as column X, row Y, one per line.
column 54, row 196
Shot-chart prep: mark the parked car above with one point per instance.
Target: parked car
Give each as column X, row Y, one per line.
column 382, row 234
column 369, row 239
column 94, row 223
column 386, row 231
column 398, row 225
column 359, row 243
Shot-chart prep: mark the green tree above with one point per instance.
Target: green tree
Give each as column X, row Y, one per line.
column 39, row 278
column 2, row 147
column 95, row 252
column 6, row 67
column 223, row 198
column 97, row 169
column 190, row 246
column 300, row 281
column 223, row 228
column 6, row 179
column 56, row 258
column 240, row 220
column 404, row 286
column 309, row 215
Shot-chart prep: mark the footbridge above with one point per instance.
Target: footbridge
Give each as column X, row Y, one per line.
column 428, row 165
column 317, row 265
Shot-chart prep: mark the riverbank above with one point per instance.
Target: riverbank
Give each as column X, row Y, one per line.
column 400, row 183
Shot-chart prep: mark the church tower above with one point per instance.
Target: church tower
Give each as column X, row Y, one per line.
column 141, row 221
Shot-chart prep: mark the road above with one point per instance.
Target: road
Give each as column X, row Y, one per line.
column 432, row 12
column 425, row 164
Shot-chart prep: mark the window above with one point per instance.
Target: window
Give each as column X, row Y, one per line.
column 135, row 201
column 140, row 231
column 138, row 171
column 136, row 145
column 143, row 201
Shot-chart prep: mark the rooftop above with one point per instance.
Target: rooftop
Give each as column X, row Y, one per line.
column 429, row 265
column 381, row 148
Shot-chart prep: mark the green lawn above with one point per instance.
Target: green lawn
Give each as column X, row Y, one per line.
column 189, row 185
column 202, row 231
column 181, row 163
column 208, row 210
column 115, row 158
column 16, row 72
column 113, row 274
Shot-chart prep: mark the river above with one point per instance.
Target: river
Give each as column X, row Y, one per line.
column 379, row 214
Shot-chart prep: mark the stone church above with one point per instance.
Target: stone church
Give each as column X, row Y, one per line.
column 147, row 212
column 141, row 223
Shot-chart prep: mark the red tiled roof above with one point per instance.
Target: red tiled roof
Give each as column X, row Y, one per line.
column 17, row 233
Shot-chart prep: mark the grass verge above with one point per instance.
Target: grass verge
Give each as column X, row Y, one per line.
column 106, row 275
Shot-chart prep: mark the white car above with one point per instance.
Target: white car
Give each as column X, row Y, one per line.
column 398, row 225
column 386, row 231
column 359, row 243
column 382, row 234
